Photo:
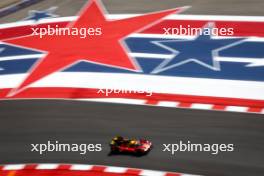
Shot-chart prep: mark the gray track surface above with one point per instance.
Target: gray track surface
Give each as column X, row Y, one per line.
column 209, row 7
column 37, row 121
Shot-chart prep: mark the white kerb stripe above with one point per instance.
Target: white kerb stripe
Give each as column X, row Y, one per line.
column 168, row 103
column 236, row 108
column 116, row 169
column 81, row 167
column 14, row 167
column 117, row 100
column 201, row 106
column 151, row 173
column 47, row 166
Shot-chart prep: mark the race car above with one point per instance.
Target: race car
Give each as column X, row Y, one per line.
column 133, row 146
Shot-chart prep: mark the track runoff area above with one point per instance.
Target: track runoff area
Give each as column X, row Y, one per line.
column 247, row 99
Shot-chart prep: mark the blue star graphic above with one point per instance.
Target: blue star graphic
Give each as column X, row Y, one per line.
column 201, row 50
column 37, row 15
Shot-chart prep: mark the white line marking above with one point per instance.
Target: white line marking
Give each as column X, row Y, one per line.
column 47, row 166
column 29, row 56
column 159, row 84
column 151, row 55
column 121, row 16
column 196, row 17
column 116, row 100
column 14, row 167
column 81, row 167
column 201, row 106
column 237, row 59
column 152, row 173
column 115, row 169
column 160, row 36
column 236, row 108
column 168, row 103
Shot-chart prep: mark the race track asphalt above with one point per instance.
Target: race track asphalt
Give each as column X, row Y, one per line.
column 37, row 121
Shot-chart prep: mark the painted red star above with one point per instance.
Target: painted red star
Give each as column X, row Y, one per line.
column 106, row 49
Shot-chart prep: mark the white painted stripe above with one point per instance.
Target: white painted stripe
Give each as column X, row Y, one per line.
column 196, row 17
column 81, row 167
column 14, row 167
column 177, row 85
column 163, row 36
column 16, row 24
column 262, row 111
column 116, row 100
column 146, row 55
column 121, row 16
column 47, row 166
column 52, row 20
column 236, row 108
column 30, row 56
column 237, row 59
column 151, row 173
column 201, row 106
column 116, row 169
column 151, row 55
column 160, row 36
column 157, row 84
column 168, row 103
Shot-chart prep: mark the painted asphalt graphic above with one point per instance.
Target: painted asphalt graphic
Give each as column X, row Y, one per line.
column 233, row 68
column 226, row 64
column 103, row 49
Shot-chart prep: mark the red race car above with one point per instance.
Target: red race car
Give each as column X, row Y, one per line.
column 121, row 145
